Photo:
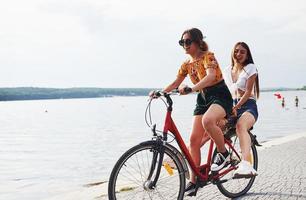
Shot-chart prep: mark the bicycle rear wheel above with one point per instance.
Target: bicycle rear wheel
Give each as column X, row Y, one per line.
column 147, row 171
column 229, row 186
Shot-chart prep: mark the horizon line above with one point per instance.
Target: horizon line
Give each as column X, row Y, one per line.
column 124, row 87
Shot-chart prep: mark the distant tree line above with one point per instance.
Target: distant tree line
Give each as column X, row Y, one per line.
column 31, row 93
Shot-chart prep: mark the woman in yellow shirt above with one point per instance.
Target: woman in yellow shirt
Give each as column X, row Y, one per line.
column 214, row 101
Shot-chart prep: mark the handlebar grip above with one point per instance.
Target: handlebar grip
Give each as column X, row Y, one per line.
column 158, row 93
column 187, row 90
column 155, row 93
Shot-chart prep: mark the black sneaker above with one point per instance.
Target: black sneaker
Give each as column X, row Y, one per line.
column 191, row 189
column 220, row 161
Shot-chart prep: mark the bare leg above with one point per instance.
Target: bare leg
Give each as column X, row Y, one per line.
column 205, row 138
column 209, row 121
column 197, row 140
column 245, row 122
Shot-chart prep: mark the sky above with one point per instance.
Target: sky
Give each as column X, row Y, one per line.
column 134, row 43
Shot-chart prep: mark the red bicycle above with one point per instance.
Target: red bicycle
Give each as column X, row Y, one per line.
column 155, row 169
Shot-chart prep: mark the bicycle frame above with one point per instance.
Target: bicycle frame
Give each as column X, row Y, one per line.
column 170, row 126
column 157, row 159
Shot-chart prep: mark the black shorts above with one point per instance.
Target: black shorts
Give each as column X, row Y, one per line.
column 216, row 94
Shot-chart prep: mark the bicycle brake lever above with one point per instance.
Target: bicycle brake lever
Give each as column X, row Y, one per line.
column 153, row 129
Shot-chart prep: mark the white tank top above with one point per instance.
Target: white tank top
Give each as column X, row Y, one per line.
column 244, row 75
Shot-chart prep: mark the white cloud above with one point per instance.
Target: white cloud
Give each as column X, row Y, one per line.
column 92, row 43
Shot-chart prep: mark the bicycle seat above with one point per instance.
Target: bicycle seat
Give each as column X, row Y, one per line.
column 232, row 121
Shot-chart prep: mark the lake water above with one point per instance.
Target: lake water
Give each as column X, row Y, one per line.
column 49, row 147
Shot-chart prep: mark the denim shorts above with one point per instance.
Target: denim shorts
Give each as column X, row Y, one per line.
column 249, row 106
column 216, row 94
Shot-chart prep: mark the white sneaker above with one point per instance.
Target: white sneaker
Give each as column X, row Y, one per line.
column 245, row 170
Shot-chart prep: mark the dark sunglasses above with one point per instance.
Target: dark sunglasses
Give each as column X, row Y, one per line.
column 186, row 42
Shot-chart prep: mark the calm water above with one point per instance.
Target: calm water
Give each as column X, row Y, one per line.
column 50, row 147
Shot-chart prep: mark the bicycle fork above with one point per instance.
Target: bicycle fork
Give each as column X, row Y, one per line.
column 156, row 164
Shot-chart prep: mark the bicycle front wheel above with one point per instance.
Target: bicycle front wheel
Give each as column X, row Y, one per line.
column 235, row 187
column 147, row 171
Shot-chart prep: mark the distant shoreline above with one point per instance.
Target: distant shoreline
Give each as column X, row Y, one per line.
column 36, row 93
column 33, row 93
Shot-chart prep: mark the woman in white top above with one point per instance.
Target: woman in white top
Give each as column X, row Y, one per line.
column 242, row 80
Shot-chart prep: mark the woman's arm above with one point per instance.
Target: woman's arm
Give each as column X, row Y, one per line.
column 248, row 91
column 207, row 81
column 174, row 84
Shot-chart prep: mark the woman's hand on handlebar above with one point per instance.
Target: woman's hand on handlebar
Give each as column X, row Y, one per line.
column 154, row 94
column 184, row 89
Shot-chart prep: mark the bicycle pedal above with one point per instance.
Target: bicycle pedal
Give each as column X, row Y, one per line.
column 202, row 184
column 244, row 176
column 222, row 181
column 192, row 192
column 219, row 181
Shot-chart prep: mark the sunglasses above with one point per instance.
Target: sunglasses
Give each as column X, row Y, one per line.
column 186, row 42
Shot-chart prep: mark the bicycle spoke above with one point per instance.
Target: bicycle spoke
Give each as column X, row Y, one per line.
column 127, row 178
column 156, row 191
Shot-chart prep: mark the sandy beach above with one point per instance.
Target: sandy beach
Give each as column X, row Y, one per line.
column 282, row 175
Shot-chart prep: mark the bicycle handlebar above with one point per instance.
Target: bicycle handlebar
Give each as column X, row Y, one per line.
column 164, row 94
column 187, row 90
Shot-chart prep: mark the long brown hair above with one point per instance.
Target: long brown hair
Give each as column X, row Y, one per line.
column 249, row 60
column 197, row 37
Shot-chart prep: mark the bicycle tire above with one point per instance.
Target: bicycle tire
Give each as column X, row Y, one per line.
column 234, row 188
column 128, row 179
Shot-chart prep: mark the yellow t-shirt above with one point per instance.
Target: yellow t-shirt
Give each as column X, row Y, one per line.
column 197, row 69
